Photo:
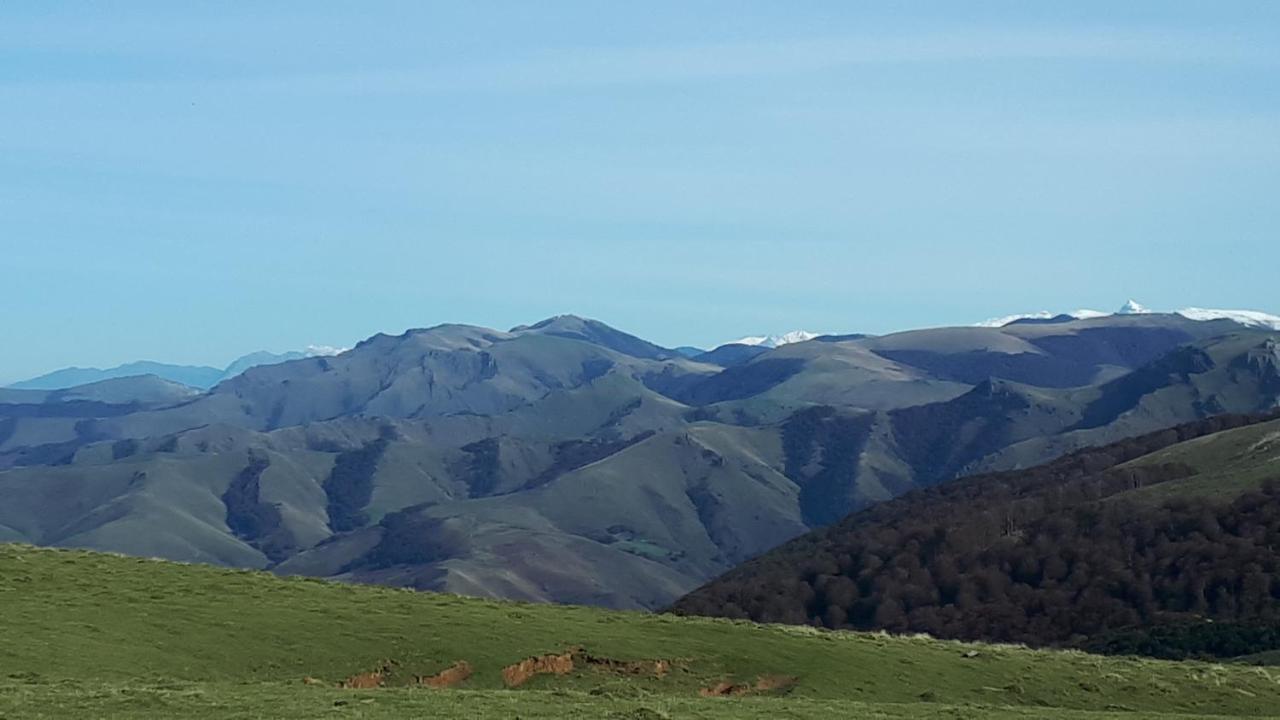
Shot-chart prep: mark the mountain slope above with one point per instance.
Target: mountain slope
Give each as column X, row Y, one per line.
column 48, row 426
column 1163, row 529
column 193, row 641
column 143, row 390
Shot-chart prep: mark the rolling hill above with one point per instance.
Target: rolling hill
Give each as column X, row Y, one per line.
column 568, row 461
column 197, row 641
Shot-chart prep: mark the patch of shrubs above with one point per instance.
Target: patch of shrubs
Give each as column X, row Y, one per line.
column 256, row 522
column 350, row 485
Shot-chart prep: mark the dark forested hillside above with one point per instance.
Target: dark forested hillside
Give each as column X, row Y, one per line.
column 1161, row 531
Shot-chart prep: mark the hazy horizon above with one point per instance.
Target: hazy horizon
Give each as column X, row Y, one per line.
column 190, row 183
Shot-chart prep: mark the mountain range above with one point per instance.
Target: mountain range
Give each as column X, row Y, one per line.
column 570, row 461
column 1251, row 318
column 201, row 377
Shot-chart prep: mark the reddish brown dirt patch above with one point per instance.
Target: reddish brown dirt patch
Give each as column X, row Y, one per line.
column 529, row 668
column 366, row 681
column 575, row 658
column 449, row 677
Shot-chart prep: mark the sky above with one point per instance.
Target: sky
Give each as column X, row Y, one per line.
column 188, row 182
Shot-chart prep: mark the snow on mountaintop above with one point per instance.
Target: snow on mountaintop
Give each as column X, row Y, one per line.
column 324, row 350
column 1082, row 314
column 1133, row 307
column 1250, row 318
column 773, row 341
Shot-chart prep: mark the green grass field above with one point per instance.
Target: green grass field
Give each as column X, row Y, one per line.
column 92, row 635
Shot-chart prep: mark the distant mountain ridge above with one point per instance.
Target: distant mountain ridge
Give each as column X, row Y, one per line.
column 1249, row 318
column 201, row 377
column 141, row 390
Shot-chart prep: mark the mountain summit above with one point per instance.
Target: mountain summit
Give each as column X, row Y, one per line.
column 1133, row 307
column 775, row 341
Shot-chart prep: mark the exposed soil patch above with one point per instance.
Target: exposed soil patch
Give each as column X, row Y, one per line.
column 363, row 681
column 369, row 680
column 449, row 677
column 529, row 668
column 577, row 658
column 763, row 684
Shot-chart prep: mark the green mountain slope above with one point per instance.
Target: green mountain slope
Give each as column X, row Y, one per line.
column 195, row 641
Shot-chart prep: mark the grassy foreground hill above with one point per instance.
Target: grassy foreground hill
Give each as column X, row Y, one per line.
column 94, row 635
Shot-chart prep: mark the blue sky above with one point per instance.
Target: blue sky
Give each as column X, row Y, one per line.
column 190, row 181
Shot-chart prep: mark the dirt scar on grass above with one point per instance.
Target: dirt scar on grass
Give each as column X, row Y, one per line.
column 574, row 658
column 514, row 676
column 449, row 677
column 369, row 680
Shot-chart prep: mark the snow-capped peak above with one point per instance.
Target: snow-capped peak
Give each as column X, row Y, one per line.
column 773, row 341
column 1251, row 318
column 1081, row 314
column 324, row 350
column 1248, row 318
column 1133, row 307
